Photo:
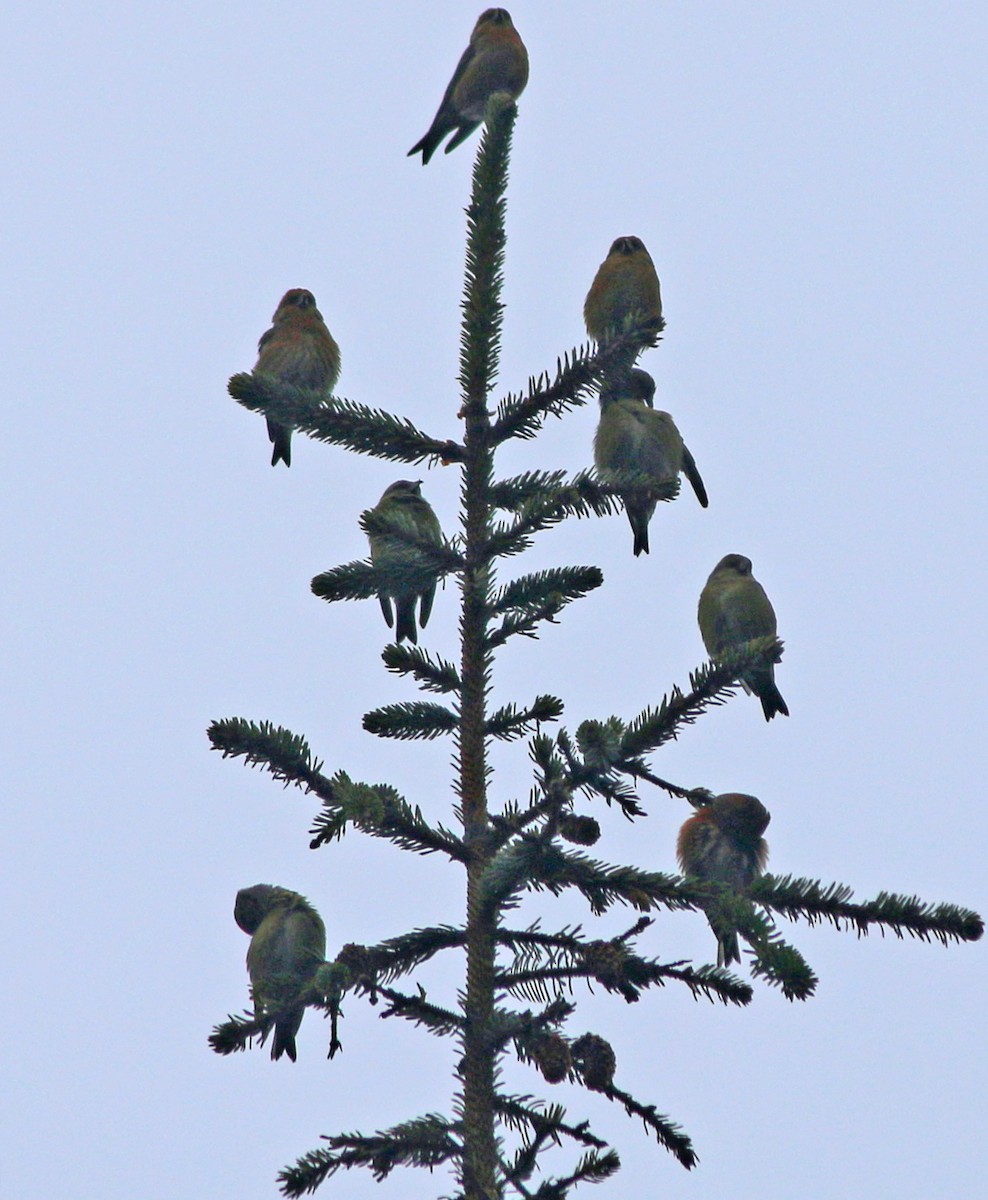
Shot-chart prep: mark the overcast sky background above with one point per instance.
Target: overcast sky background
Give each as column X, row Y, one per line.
column 810, row 179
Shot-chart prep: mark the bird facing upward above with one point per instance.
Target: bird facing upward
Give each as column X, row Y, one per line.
column 300, row 351
column 634, row 439
column 722, row 843
column 495, row 61
column 733, row 610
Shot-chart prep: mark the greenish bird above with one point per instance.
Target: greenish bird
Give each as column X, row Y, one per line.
column 635, row 439
column 733, row 610
column 411, row 576
column 287, row 946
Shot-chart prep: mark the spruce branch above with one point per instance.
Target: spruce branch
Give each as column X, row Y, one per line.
column 593, row 776
column 341, row 422
column 378, row 810
column 568, row 583
column 532, row 599
column 480, row 339
column 351, row 581
column 510, row 722
column 427, row 1141
column 533, row 863
column 580, row 496
column 815, row 902
column 666, row 1132
column 284, row 754
column 579, row 373
column 592, row 1168
column 440, row 1021
column 433, row 673
column 415, row 719
column 237, row 1032
column 710, row 685
column 520, row 1112
column 400, row 955
column 514, row 493
column 610, row 745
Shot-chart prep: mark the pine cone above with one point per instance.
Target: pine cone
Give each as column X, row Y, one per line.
column 605, row 961
column 596, row 1061
column 551, row 1055
column 582, row 831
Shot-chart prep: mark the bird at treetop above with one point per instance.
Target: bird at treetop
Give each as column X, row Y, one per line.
column 300, row 351
column 404, row 504
column 287, row 946
column 733, row 610
column 634, row 439
column 625, row 283
column 722, row 843
column 495, row 61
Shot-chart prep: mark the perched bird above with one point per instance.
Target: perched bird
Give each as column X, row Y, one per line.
column 634, row 439
column 495, row 61
column 734, row 609
column 299, row 350
column 722, row 843
column 404, row 504
column 287, row 945
column 625, row 283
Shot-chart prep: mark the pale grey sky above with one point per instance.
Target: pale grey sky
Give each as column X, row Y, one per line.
column 810, row 180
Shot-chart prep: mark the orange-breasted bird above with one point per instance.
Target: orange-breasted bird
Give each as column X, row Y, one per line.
column 734, row 609
column 722, row 843
column 635, row 439
column 404, row 505
column 625, row 282
column 495, row 61
column 287, row 946
column 299, row 350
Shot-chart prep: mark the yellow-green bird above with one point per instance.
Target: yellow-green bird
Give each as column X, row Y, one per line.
column 625, row 283
column 404, row 505
column 734, row 609
column 287, row 946
column 635, row 439
column 495, row 61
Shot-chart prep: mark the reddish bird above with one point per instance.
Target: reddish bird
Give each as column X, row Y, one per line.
column 495, row 61
column 298, row 350
column 625, row 283
column 722, row 843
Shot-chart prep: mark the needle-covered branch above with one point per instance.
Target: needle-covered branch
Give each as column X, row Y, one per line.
column 511, row 722
column 611, row 745
column 340, row 422
column 582, row 496
column 579, row 374
column 523, row 1112
column 414, row 720
column 533, row 863
column 433, row 673
column 397, row 956
column 285, row 754
column 592, row 1168
column 617, row 970
column 379, row 810
column 815, row 902
column 528, row 601
column 666, row 1132
column 427, row 1141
